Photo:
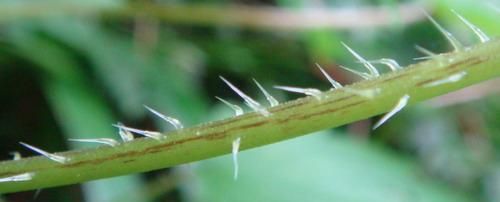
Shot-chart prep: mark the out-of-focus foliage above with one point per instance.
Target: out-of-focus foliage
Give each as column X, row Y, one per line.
column 320, row 167
column 69, row 69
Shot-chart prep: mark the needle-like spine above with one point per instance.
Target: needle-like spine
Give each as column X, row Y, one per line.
column 106, row 141
column 272, row 101
column 334, row 83
column 403, row 101
column 124, row 134
column 307, row 91
column 392, row 64
column 54, row 157
column 457, row 46
column 361, row 74
column 18, row 178
column 237, row 109
column 425, row 51
column 152, row 134
column 234, row 151
column 373, row 71
column 173, row 121
column 248, row 100
column 480, row 34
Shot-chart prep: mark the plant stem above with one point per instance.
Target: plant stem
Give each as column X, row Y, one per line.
column 252, row 17
column 288, row 120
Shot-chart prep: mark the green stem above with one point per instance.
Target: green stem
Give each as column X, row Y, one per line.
column 288, row 120
column 253, row 17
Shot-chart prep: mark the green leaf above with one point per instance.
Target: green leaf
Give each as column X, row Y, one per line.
column 319, row 167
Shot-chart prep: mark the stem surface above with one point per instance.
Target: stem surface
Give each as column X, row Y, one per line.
column 288, row 120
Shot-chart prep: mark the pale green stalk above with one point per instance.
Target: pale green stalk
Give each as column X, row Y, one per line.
column 299, row 117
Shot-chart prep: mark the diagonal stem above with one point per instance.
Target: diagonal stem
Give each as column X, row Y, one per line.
column 288, row 120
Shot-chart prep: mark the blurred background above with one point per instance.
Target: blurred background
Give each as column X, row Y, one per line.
column 70, row 69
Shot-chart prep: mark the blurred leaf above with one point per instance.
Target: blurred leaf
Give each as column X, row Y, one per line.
column 319, row 167
column 79, row 109
column 134, row 79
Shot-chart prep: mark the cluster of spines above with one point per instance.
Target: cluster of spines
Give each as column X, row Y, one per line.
column 126, row 135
